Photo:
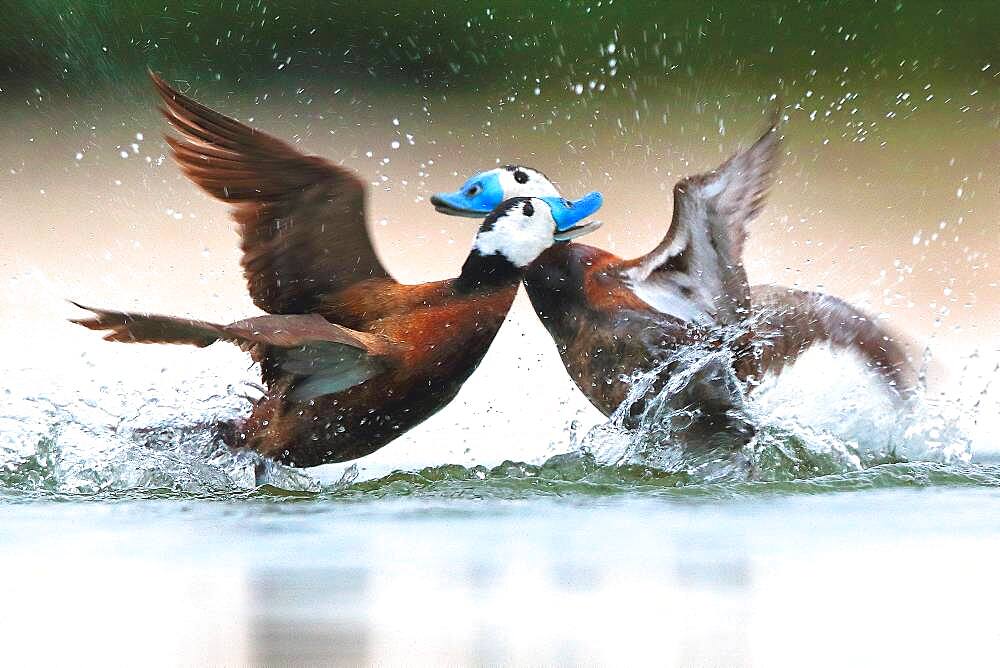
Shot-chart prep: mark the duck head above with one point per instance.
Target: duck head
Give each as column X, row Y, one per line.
column 515, row 233
column 485, row 191
column 521, row 228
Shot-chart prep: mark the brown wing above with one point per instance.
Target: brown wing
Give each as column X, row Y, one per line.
column 697, row 270
column 322, row 357
column 149, row 328
column 290, row 331
column 301, row 218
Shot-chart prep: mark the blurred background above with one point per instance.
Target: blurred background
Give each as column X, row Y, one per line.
column 888, row 196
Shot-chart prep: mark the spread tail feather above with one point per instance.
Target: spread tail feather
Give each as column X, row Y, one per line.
column 787, row 322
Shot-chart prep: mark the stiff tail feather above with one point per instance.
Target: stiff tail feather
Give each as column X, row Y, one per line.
column 787, row 322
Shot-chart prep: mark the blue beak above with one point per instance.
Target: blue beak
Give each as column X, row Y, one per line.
column 480, row 195
column 457, row 204
column 568, row 215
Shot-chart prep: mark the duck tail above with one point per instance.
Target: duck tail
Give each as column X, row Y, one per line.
column 787, row 322
column 148, row 328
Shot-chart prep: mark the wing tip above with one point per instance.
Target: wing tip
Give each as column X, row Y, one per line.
column 770, row 134
column 775, row 114
column 159, row 82
column 765, row 152
column 96, row 319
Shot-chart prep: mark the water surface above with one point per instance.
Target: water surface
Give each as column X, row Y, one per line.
column 126, row 526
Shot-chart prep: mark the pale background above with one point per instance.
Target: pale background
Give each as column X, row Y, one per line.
column 898, row 215
column 889, row 197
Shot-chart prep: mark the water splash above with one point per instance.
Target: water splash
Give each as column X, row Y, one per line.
column 108, row 440
column 791, row 427
column 105, row 437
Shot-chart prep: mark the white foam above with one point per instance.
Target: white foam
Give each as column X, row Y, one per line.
column 108, row 409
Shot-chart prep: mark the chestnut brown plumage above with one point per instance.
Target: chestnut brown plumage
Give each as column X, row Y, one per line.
column 352, row 359
column 611, row 318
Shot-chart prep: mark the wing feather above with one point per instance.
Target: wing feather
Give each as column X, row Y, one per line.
column 699, row 263
column 301, row 218
column 323, row 357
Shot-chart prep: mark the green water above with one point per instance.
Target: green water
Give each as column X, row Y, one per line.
column 568, row 476
column 119, row 510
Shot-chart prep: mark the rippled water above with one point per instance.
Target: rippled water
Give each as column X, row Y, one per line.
column 114, row 440
column 116, row 496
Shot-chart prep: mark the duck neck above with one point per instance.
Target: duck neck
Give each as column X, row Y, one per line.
column 487, row 272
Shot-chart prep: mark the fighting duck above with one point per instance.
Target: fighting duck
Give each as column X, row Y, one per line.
column 611, row 318
column 351, row 358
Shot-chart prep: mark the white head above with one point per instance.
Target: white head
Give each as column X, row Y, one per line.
column 485, row 191
column 518, row 181
column 520, row 229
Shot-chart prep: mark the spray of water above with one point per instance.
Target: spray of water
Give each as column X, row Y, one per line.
column 823, row 417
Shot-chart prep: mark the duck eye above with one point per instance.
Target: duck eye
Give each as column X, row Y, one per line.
column 528, row 209
column 520, row 177
column 473, row 190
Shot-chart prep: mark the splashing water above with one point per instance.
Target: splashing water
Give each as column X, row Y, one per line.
column 110, row 437
column 104, row 440
column 787, row 429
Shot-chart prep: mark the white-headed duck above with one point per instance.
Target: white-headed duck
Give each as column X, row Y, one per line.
column 351, row 358
column 612, row 317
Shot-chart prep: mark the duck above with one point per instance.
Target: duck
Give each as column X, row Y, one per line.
column 351, row 359
column 613, row 318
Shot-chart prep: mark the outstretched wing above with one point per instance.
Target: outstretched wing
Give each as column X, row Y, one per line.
column 323, row 357
column 147, row 328
column 698, row 267
column 301, row 218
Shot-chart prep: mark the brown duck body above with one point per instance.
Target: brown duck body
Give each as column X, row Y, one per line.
column 605, row 334
column 448, row 331
column 425, row 340
column 351, row 358
column 611, row 318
